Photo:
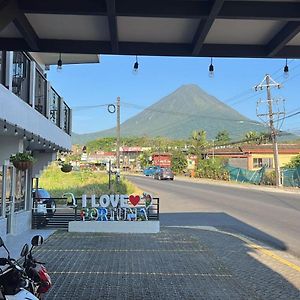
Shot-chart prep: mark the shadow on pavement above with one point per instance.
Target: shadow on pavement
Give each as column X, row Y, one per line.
column 221, row 221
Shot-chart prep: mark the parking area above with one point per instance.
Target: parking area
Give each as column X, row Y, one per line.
column 177, row 263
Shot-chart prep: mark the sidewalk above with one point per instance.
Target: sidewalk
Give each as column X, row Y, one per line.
column 178, row 263
column 14, row 243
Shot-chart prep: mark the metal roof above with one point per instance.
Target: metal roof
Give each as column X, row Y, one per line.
column 207, row 28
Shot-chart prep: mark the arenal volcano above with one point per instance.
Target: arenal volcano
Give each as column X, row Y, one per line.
column 177, row 115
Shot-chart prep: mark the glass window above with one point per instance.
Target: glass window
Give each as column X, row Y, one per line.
column 260, row 162
column 1, row 181
column 1, row 55
column 20, row 188
column 20, row 84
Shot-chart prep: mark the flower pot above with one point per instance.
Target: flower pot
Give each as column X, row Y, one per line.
column 22, row 165
column 66, row 168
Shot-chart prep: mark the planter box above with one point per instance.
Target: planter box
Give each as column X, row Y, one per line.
column 115, row 226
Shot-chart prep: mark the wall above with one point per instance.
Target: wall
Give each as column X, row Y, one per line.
column 3, row 224
column 21, row 222
column 20, row 113
column 9, row 145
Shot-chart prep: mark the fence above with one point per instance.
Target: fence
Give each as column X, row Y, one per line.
column 291, row 177
column 243, row 175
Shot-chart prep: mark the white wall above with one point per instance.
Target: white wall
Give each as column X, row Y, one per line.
column 16, row 111
column 9, row 145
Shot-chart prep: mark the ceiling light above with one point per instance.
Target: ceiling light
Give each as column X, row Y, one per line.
column 59, row 63
column 286, row 70
column 211, row 69
column 136, row 66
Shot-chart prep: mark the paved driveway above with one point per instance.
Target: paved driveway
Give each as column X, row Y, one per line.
column 178, row 263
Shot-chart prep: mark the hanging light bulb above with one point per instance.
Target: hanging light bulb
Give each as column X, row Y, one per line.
column 44, row 145
column 49, row 146
column 32, row 139
column 211, row 69
column 39, row 141
column 286, row 69
column 24, row 135
column 59, row 63
column 135, row 66
column 16, row 130
column 5, row 126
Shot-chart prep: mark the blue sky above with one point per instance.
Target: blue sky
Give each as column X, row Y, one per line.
column 99, row 84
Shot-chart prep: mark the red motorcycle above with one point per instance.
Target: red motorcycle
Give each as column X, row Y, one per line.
column 36, row 270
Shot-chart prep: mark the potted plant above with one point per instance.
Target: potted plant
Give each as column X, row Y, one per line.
column 22, row 160
column 66, row 167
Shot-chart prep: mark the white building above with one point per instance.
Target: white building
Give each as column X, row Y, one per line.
column 33, row 118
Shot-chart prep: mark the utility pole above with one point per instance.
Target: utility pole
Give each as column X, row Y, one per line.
column 268, row 82
column 118, row 133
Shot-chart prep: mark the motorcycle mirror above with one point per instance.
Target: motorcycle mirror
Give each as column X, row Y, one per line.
column 25, row 250
column 37, row 240
column 1, row 242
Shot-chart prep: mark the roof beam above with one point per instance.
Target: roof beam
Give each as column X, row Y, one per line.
column 8, row 12
column 288, row 32
column 112, row 24
column 27, row 31
column 205, row 25
column 255, row 10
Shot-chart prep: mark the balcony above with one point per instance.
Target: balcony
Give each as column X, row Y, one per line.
column 24, row 78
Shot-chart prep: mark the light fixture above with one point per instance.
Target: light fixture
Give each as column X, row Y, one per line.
column 211, row 69
column 24, row 135
column 16, row 130
column 49, row 146
column 135, row 66
column 59, row 63
column 39, row 141
column 44, row 145
column 286, row 69
column 32, row 139
column 5, row 126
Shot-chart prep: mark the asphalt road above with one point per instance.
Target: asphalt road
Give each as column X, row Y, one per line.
column 270, row 217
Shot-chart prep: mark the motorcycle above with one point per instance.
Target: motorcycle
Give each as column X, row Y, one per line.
column 31, row 281
column 14, row 283
column 36, row 270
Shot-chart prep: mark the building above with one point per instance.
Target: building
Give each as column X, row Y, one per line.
column 34, row 118
column 253, row 157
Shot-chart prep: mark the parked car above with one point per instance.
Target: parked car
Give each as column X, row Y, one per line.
column 41, row 196
column 150, row 171
column 164, row 173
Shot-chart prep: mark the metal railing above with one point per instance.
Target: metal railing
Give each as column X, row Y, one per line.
column 40, row 102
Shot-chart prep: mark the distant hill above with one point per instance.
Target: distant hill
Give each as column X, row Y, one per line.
column 177, row 115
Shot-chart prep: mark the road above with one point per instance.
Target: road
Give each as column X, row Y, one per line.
column 271, row 217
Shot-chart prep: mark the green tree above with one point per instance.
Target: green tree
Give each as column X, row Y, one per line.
column 179, row 161
column 257, row 137
column 222, row 137
column 294, row 162
column 199, row 143
column 144, row 159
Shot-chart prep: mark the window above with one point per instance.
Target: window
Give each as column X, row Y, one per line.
column 1, row 181
column 260, row 162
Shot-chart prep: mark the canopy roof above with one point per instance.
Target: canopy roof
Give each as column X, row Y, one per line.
column 213, row 28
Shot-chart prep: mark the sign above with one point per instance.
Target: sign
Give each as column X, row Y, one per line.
column 116, row 208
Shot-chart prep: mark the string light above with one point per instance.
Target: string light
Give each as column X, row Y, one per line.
column 32, row 139
column 59, row 63
column 5, row 126
column 24, row 135
column 16, row 130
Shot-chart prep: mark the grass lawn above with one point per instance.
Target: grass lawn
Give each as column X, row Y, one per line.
column 83, row 182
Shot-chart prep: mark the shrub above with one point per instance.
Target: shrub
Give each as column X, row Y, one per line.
column 212, row 168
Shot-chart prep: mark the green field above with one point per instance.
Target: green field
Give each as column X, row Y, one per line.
column 82, row 182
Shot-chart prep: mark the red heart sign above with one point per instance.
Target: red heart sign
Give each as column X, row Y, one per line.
column 134, row 199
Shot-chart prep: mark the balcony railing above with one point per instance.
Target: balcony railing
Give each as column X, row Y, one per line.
column 38, row 92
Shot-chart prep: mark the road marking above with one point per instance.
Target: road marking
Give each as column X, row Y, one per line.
column 143, row 273
column 249, row 243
